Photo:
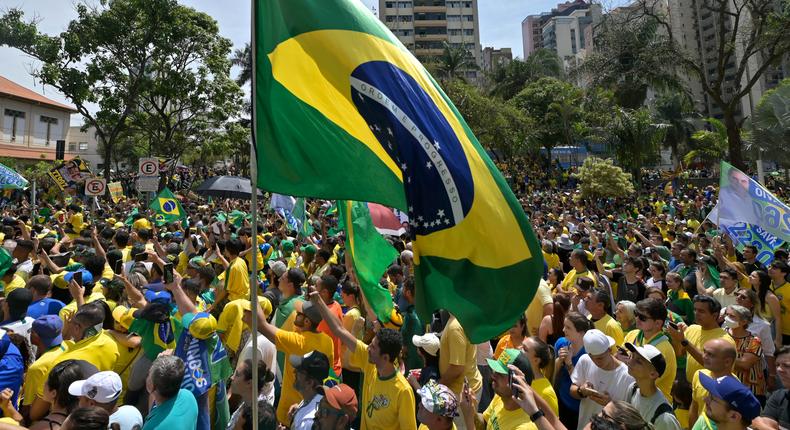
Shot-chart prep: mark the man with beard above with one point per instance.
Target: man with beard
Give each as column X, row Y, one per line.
column 311, row 370
column 730, row 405
column 337, row 408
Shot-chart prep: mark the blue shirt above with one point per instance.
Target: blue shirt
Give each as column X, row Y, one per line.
column 45, row 306
column 564, row 378
column 178, row 413
column 12, row 368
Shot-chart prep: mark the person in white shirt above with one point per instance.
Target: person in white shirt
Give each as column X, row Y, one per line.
column 311, row 370
column 103, row 390
column 268, row 354
column 646, row 365
column 598, row 377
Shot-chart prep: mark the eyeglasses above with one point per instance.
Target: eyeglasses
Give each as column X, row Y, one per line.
column 642, row 317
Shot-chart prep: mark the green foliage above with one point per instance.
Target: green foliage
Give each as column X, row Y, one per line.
column 709, row 147
column 509, row 79
column 635, row 136
column 771, row 124
column 453, row 61
column 497, row 125
column 675, row 109
column 630, row 57
column 602, row 179
column 555, row 107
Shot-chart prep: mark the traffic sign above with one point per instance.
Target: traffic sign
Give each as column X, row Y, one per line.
column 148, row 183
column 95, row 186
column 149, row 167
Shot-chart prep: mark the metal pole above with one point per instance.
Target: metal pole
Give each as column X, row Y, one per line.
column 254, row 220
column 33, row 201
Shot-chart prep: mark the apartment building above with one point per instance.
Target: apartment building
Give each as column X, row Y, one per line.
column 423, row 26
column 566, row 29
column 31, row 123
column 493, row 57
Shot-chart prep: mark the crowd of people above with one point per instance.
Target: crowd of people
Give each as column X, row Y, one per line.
column 646, row 317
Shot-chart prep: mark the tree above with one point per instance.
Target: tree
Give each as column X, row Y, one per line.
column 454, row 59
column 243, row 58
column 554, row 106
column 771, row 124
column 496, row 125
column 602, row 179
column 187, row 90
column 675, row 109
column 99, row 62
column 709, row 147
column 635, row 136
column 509, row 79
column 751, row 38
column 630, row 57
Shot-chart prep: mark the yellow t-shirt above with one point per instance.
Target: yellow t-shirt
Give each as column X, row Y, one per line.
column 248, row 258
column 123, row 366
column 77, row 223
column 70, row 309
column 534, row 312
column 349, row 321
column 299, row 344
column 99, row 350
column 456, row 349
column 697, row 337
column 610, row 327
column 569, row 283
column 699, row 393
column 783, row 294
column 127, row 254
column 665, row 381
column 387, row 403
column 424, row 427
column 231, row 324
column 16, row 283
column 107, row 274
column 237, row 283
column 544, row 389
column 552, row 260
column 37, row 374
column 497, row 417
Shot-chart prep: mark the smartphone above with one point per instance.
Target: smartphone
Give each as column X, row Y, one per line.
column 673, row 325
column 168, row 273
column 622, row 351
column 143, row 256
column 118, row 269
column 78, row 278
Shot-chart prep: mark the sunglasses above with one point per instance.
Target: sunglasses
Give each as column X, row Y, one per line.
column 642, row 317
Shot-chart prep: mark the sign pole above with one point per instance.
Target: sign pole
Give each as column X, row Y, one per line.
column 33, row 200
column 254, row 220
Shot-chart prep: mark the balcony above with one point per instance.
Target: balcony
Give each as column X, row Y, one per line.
column 430, row 37
column 430, row 23
column 422, row 52
column 430, row 9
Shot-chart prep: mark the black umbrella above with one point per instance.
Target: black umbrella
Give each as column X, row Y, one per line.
column 230, row 187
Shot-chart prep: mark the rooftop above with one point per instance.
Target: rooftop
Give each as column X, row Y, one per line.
column 15, row 91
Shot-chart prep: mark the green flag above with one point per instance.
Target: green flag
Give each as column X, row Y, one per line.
column 167, row 207
column 370, row 253
column 130, row 219
column 370, row 124
column 300, row 213
column 237, row 217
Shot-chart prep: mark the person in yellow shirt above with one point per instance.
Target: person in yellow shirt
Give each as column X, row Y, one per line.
column 230, row 325
column 578, row 261
column 46, row 336
column 541, row 360
column 121, row 242
column 387, row 397
column 651, row 316
column 141, row 222
column 599, row 305
column 76, row 218
column 458, row 361
column 304, row 340
column 237, row 277
column 720, row 358
column 778, row 271
column 550, row 256
column 542, row 305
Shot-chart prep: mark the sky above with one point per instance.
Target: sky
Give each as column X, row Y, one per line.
column 500, row 27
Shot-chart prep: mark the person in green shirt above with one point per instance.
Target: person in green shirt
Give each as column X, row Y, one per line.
column 411, row 327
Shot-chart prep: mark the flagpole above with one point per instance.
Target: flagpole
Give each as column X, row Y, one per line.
column 254, row 221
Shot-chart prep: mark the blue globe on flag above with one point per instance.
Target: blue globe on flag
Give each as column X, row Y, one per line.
column 169, row 206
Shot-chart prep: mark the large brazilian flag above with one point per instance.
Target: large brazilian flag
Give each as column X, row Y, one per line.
column 344, row 112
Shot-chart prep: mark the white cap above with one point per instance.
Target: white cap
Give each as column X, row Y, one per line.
column 429, row 342
column 102, row 387
column 596, row 342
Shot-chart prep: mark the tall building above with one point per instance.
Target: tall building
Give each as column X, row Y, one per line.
column 492, row 57
column 423, row 26
column 32, row 124
column 566, row 29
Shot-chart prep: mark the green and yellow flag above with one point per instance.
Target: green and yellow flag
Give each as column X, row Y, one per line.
column 167, row 207
column 343, row 111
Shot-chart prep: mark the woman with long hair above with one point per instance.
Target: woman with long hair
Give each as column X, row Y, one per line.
column 541, row 358
column 56, row 392
column 353, row 321
column 569, row 349
column 768, row 308
column 678, row 300
column 551, row 326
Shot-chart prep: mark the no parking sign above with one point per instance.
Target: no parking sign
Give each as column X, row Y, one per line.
column 95, row 186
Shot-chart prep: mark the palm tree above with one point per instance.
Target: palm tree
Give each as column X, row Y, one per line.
column 636, row 136
column 675, row 109
column 509, row 79
column 709, row 146
column 243, row 58
column 771, row 124
column 453, row 60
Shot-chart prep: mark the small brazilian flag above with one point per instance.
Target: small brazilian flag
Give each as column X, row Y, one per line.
column 343, row 111
column 167, row 208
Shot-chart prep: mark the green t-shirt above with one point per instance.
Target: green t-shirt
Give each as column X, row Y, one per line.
column 147, row 331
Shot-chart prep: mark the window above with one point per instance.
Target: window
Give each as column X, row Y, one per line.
column 454, row 31
column 453, row 18
column 72, row 146
column 469, row 18
column 49, row 121
column 573, row 40
column 14, row 121
column 469, row 32
column 83, row 146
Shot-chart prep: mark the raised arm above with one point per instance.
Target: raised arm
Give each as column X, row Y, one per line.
column 335, row 325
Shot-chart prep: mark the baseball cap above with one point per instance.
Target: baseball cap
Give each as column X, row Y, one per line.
column 102, row 387
column 596, row 342
column 515, row 357
column 197, row 262
column 312, row 313
column 202, row 326
column 651, row 354
column 396, row 320
column 287, row 245
column 315, row 364
column 310, row 249
column 732, row 391
column 87, row 277
column 49, row 329
column 342, row 398
column 278, row 267
column 438, row 399
column 429, row 342
column 263, row 302
column 158, row 296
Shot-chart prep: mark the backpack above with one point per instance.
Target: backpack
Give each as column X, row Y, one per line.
column 663, row 408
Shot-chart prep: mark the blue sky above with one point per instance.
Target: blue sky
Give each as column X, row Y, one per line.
column 500, row 26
